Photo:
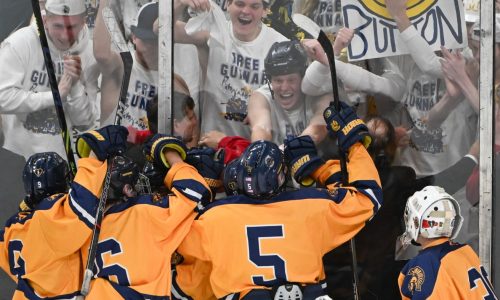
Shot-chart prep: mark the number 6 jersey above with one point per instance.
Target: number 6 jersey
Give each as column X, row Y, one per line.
column 41, row 249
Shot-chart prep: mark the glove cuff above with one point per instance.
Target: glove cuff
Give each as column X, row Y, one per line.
column 163, row 143
column 302, row 169
column 82, row 148
column 87, row 142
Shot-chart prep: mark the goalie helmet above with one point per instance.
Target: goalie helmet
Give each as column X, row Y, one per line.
column 431, row 213
column 124, row 171
column 260, row 172
column 285, row 58
column 44, row 174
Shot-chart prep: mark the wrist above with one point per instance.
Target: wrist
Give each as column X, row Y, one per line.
column 402, row 21
column 171, row 156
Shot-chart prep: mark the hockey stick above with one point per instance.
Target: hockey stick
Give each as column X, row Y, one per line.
column 314, row 30
column 121, row 45
column 49, row 64
column 89, row 269
column 127, row 60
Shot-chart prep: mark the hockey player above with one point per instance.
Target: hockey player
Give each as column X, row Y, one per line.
column 139, row 233
column 277, row 239
column 40, row 245
column 29, row 118
column 283, row 109
column 443, row 269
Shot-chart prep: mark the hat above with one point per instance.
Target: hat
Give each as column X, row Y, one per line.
column 65, row 7
column 476, row 29
column 144, row 21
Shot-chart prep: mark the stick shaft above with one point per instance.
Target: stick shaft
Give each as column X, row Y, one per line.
column 327, row 47
column 89, row 273
column 127, row 61
column 66, row 135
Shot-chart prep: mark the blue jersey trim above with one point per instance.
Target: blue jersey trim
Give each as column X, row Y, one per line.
column 372, row 190
column 177, row 293
column 83, row 203
column 130, row 294
column 29, row 293
column 45, row 204
column 48, row 202
column 15, row 219
column 193, row 190
column 303, row 194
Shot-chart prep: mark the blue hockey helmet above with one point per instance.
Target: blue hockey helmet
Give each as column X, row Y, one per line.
column 284, row 58
column 259, row 172
column 44, row 174
column 124, row 171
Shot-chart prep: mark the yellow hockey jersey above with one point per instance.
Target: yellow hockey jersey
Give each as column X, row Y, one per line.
column 41, row 249
column 445, row 270
column 258, row 244
column 138, row 237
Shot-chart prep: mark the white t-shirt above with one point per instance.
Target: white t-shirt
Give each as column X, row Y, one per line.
column 414, row 82
column 29, row 119
column 433, row 150
column 288, row 122
column 142, row 88
column 229, row 84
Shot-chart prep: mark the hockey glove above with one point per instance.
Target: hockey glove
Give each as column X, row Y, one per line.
column 209, row 164
column 105, row 142
column 153, row 148
column 346, row 127
column 302, row 158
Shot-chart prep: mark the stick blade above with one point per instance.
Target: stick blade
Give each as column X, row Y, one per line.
column 306, row 24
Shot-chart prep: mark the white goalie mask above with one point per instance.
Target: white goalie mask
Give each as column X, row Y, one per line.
column 431, row 213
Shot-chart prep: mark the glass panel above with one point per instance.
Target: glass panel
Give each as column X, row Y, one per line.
column 420, row 104
column 88, row 55
column 237, row 74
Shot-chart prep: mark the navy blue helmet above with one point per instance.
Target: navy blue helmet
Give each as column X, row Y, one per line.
column 124, row 171
column 260, row 172
column 284, row 58
column 44, row 174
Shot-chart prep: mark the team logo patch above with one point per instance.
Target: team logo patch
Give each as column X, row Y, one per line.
column 232, row 185
column 414, row 8
column 38, row 172
column 417, row 279
column 335, row 126
column 269, row 161
column 328, row 113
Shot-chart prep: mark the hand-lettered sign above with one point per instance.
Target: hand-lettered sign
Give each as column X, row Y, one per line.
column 439, row 22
